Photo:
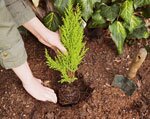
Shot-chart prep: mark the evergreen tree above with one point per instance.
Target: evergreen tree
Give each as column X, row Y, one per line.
column 71, row 34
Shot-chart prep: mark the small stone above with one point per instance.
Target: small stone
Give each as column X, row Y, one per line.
column 128, row 56
column 107, row 85
column 46, row 83
column 107, row 69
column 117, row 60
column 89, row 111
column 86, row 75
column 27, row 106
column 50, row 115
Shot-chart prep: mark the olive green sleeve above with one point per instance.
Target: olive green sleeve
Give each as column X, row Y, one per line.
column 20, row 11
column 12, row 51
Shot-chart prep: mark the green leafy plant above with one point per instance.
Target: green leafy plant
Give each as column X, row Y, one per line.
column 52, row 21
column 123, row 18
column 72, row 38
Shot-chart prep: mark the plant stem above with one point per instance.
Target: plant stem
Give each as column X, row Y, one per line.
column 71, row 74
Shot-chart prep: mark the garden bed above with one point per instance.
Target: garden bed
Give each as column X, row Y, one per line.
column 98, row 68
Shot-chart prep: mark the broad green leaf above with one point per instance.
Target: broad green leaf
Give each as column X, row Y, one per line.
column 102, row 1
column 139, row 33
column 87, row 8
column 140, row 3
column 113, row 0
column 52, row 21
column 105, row 1
column 135, row 22
column 61, row 5
column 117, row 1
column 127, row 25
column 92, row 24
column 110, row 12
column 97, row 20
column 127, row 10
column 98, row 5
column 118, row 34
column 146, row 11
column 36, row 2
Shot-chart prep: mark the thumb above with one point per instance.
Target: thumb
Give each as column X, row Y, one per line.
column 52, row 97
column 61, row 48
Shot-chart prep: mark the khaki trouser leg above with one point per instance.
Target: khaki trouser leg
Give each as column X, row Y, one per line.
column 12, row 51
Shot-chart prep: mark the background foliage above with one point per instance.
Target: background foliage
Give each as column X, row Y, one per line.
column 123, row 18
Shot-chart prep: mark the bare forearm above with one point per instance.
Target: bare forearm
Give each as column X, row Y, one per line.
column 44, row 35
column 33, row 85
column 24, row 73
column 37, row 28
column 33, row 27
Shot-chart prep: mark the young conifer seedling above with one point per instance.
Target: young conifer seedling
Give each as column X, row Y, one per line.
column 71, row 34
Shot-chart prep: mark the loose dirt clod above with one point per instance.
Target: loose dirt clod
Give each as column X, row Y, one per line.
column 70, row 94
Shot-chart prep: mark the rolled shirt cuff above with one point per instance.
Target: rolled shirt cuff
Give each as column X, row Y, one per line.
column 14, row 56
column 20, row 11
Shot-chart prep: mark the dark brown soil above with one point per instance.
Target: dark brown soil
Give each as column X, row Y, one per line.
column 99, row 67
column 70, row 94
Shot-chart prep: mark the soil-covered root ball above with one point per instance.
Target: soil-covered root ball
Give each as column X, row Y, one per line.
column 68, row 94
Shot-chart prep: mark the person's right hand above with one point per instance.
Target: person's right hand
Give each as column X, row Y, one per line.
column 44, row 35
column 40, row 92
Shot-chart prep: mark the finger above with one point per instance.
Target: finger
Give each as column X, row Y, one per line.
column 57, row 31
column 39, row 80
column 50, row 46
column 62, row 48
column 51, row 97
column 54, row 98
column 51, row 90
column 45, row 43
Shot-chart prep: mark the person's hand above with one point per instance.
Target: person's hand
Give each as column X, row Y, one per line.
column 52, row 40
column 45, row 36
column 33, row 85
column 40, row 92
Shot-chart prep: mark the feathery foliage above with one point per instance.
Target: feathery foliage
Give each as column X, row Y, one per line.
column 72, row 38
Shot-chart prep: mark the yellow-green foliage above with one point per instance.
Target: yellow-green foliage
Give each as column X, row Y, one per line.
column 71, row 34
